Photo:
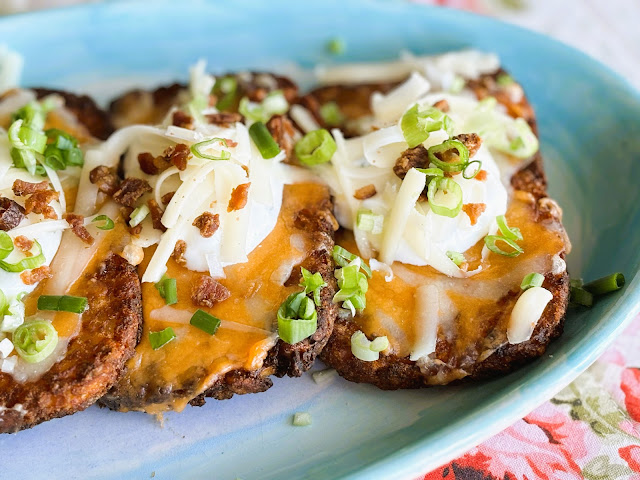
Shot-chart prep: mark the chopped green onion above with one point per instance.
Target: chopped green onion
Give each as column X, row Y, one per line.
column 301, row 419
column 196, row 149
column 63, row 151
column 323, row 376
column 331, row 114
column 4, row 303
column 473, row 174
column 6, row 245
column 532, row 280
column 580, row 296
column 316, row 147
column 108, row 223
column 451, row 144
column 62, row 303
column 365, row 350
column 490, row 242
column 456, row 257
column 342, row 257
column 487, row 103
column 53, row 158
column 228, row 87
column 27, row 263
column 457, row 85
column 417, row 124
column 525, row 144
column 504, row 80
column 607, row 284
column 507, row 232
column 312, row 283
column 205, row 322
column 264, row 141
column 161, row 338
column 34, row 341
column 168, row 289
column 336, row 46
column 275, row 103
column 368, row 221
column 138, row 215
column 576, row 282
column 451, row 190
column 297, row 318
column 353, row 286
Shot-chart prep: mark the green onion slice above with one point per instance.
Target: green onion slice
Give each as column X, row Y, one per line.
column 452, row 193
column 312, row 283
column 138, row 215
column 368, row 221
column 451, row 144
column 62, row 303
column 365, row 350
column 196, row 149
column 228, row 87
column 512, row 233
column 168, row 289
column 490, row 242
column 342, row 257
column 456, row 257
column 316, row 147
column 34, row 341
column 418, row 124
column 275, row 103
column 469, row 174
column 107, row 225
column 457, row 85
column 336, row 46
column 6, row 245
column 504, row 80
column 27, row 263
column 579, row 296
column 205, row 322
column 4, row 303
column 607, row 284
column 297, row 318
column 331, row 114
column 431, row 172
column 161, row 338
column 532, row 280
column 264, row 141
column 301, row 419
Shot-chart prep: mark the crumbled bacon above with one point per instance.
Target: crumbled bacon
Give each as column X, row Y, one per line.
column 442, row 105
column 181, row 119
column 282, row 131
column 11, row 214
column 416, row 157
column 23, row 244
column 224, row 119
column 206, row 292
column 156, row 215
column 135, row 230
column 239, row 197
column 38, row 202
column 365, row 192
column 21, row 188
column 152, row 165
column 31, row 277
column 77, row 226
column 474, row 210
column 179, row 251
column 207, row 223
column 481, row 175
column 131, row 189
column 178, row 155
column 231, row 143
column 166, row 198
column 470, row 140
column 105, row 179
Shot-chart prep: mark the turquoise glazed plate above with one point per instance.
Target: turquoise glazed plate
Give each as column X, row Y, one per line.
column 590, row 130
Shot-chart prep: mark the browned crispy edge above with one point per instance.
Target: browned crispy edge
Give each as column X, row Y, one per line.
column 95, row 119
column 392, row 372
column 94, row 358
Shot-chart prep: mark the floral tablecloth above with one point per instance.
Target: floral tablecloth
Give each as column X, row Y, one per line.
column 591, row 429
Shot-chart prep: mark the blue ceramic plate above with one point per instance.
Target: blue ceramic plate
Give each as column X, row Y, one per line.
column 589, row 122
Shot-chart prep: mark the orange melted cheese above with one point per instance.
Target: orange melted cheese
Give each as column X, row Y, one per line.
column 194, row 360
column 481, row 303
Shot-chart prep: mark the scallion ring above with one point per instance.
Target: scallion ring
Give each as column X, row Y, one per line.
column 579, row 296
column 367, row 221
column 205, row 322
column 107, row 225
column 418, row 124
column 532, row 280
column 62, row 303
column 228, row 87
column 312, row 283
column 451, row 144
column 196, row 149
column 138, row 215
column 265, row 143
column 26, row 263
column 366, row 350
column 6, row 245
column 342, row 257
column 297, row 318
column 34, row 341
column 331, row 114
column 607, row 284
column 473, row 173
column 456, row 257
column 168, row 289
column 161, row 338
column 316, row 147
column 490, row 242
column 512, row 233
column 451, row 190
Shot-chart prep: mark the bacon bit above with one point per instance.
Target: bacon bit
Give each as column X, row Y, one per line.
column 245, row 168
column 156, row 215
column 224, row 119
column 23, row 244
column 178, row 155
column 481, row 175
column 152, row 165
column 474, row 210
column 166, row 198
column 365, row 192
column 416, row 157
column 231, row 143
column 181, row 119
column 77, row 226
column 135, row 230
column 472, row 141
column 239, row 197
column 206, row 292
column 31, row 277
column 11, row 214
column 131, row 189
column 38, row 202
column 282, row 131
column 178, row 252
column 207, row 223
column 105, row 179
column 464, row 266
column 20, row 187
column 442, row 105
